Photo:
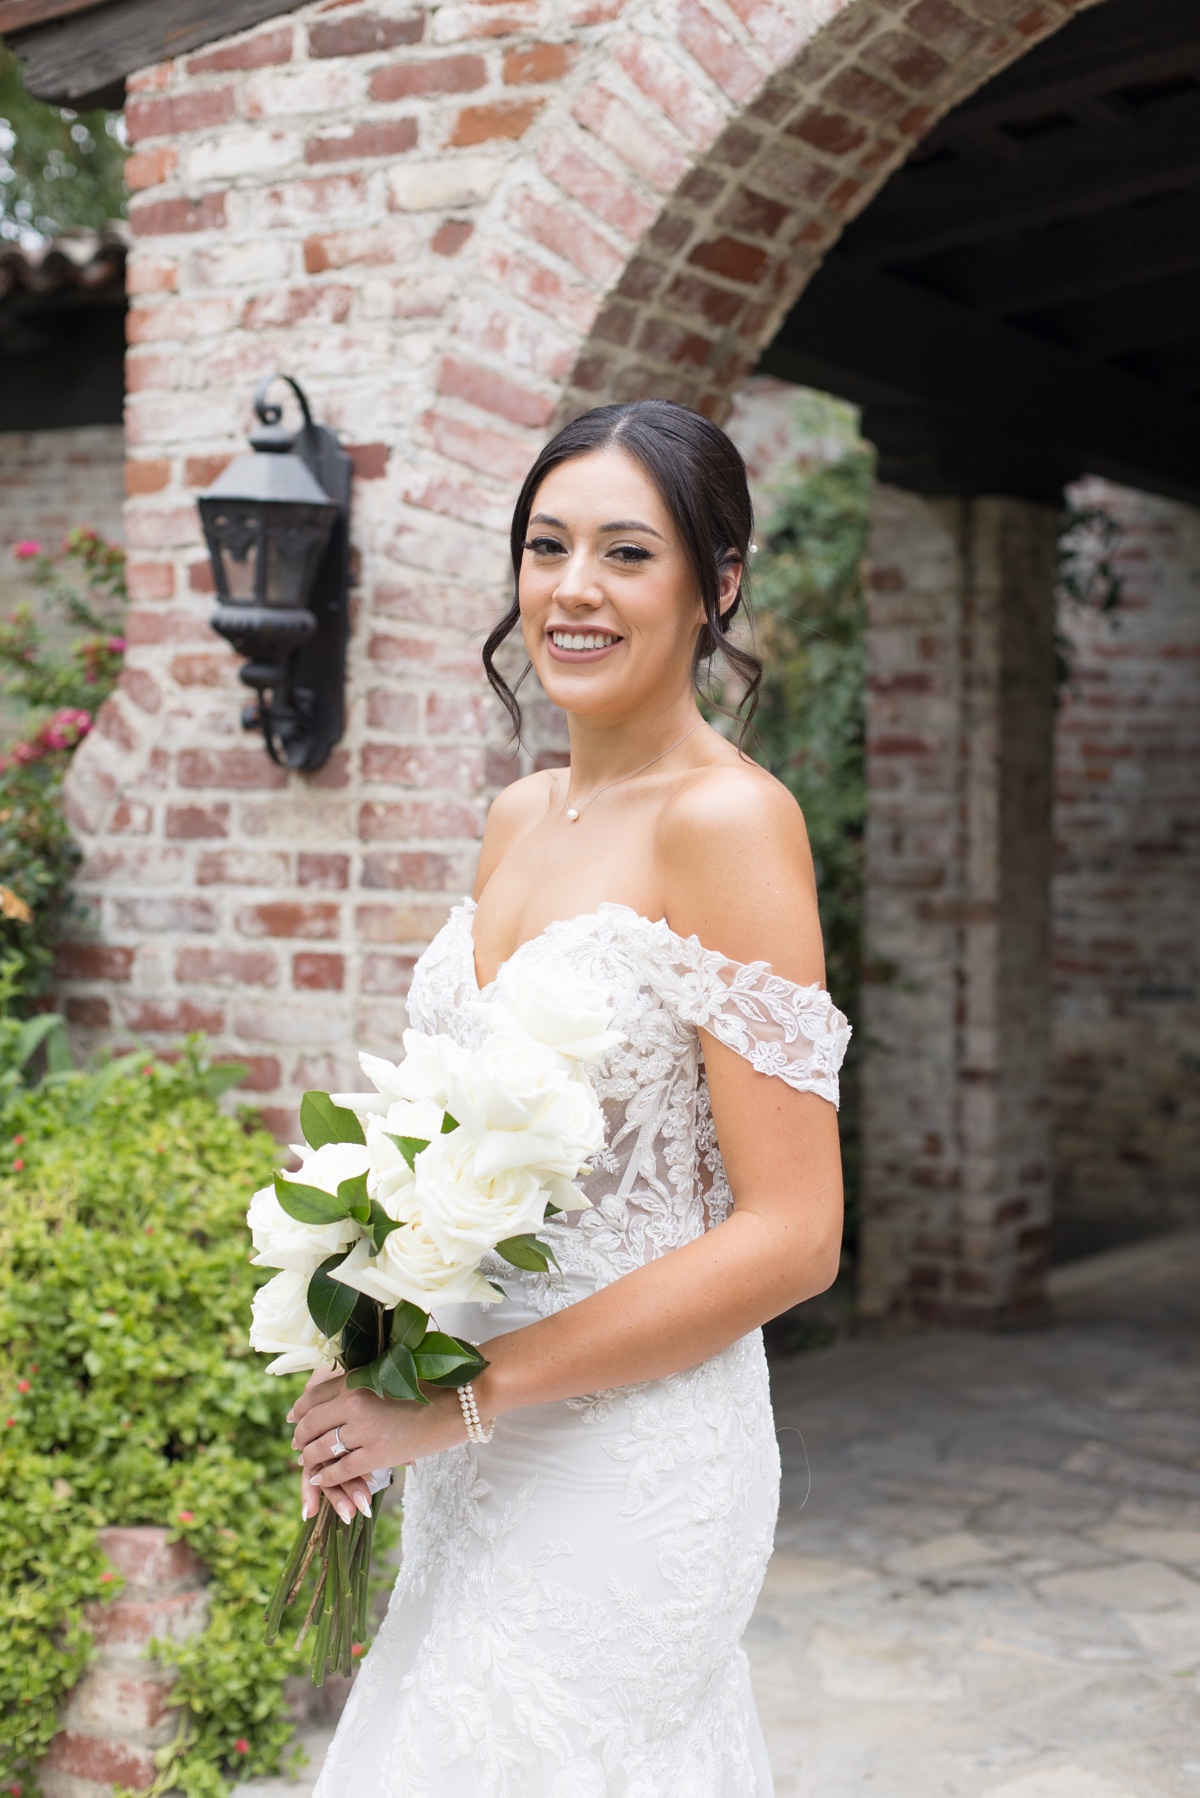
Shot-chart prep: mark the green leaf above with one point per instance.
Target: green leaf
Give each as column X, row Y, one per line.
column 392, row 1375
column 308, row 1204
column 409, row 1324
column 409, row 1146
column 445, row 1361
column 380, row 1225
column 329, row 1302
column 364, row 1334
column 528, row 1252
column 449, row 1124
column 353, row 1193
column 322, row 1121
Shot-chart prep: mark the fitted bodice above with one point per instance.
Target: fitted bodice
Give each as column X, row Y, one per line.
column 659, row 1181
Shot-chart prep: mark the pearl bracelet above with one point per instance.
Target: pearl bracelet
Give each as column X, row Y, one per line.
column 470, row 1411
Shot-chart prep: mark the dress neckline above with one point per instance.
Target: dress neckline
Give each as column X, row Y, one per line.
column 467, row 907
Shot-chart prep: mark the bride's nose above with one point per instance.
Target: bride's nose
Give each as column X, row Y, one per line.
column 578, row 583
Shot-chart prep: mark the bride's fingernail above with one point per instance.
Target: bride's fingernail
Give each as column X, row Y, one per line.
column 290, row 1418
column 364, row 1505
column 316, row 1479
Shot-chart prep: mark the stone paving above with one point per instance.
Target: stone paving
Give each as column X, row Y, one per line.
column 987, row 1572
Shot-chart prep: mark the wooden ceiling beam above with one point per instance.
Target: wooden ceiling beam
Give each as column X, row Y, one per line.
column 924, row 210
column 1077, row 257
column 1121, row 324
column 19, row 15
column 877, row 338
column 1102, row 47
column 70, row 59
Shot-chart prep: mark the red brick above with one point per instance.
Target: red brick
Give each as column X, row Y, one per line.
column 316, row 973
column 395, row 712
column 502, row 119
column 945, row 26
column 151, row 580
column 690, row 294
column 417, row 765
column 443, row 75
column 93, row 961
column 456, row 715
column 627, row 134
column 200, row 577
column 611, row 199
column 179, row 113
column 226, row 967
column 832, row 132
column 202, row 471
column 537, row 63
column 178, row 1018
column 397, row 870
column 731, row 257
column 411, row 923
column 242, row 768
column 201, row 670
column 405, row 819
column 265, row 51
column 365, row 32
column 243, row 867
column 862, row 93
column 494, row 393
column 672, row 91
column 387, row 975
column 557, row 229
column 263, row 1074
column 449, row 238
column 142, row 688
column 667, row 342
column 378, row 137
column 166, row 218
column 912, row 64
column 132, row 817
column 282, row 1121
column 289, row 918
column 716, row 52
column 146, row 477
column 288, row 306
column 325, row 871
column 169, row 912
column 189, row 821
column 89, row 1013
column 754, row 212
column 150, row 168
column 133, row 1622
column 104, row 1763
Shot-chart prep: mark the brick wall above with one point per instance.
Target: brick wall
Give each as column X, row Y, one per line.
column 118, row 1714
column 52, row 480
column 455, row 223
column 1127, row 890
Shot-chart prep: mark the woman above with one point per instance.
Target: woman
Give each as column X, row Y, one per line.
column 568, row 1616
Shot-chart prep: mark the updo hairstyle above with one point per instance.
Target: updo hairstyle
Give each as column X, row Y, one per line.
column 701, row 478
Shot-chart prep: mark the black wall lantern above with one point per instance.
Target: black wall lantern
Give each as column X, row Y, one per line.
column 277, row 525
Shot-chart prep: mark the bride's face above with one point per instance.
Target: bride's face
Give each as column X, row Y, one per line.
column 609, row 605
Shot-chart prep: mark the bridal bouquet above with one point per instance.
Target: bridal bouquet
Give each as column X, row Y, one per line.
column 400, row 1194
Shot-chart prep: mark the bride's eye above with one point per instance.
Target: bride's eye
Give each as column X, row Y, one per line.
column 630, row 553
column 545, row 546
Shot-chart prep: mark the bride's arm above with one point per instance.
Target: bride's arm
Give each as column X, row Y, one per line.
column 736, row 873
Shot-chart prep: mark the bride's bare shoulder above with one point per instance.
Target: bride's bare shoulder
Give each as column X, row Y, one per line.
column 738, row 870
column 514, row 812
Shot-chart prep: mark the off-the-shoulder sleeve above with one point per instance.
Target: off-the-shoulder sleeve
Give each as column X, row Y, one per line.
column 795, row 1033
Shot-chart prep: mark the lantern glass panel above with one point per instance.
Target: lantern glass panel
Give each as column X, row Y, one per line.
column 294, row 543
column 237, row 538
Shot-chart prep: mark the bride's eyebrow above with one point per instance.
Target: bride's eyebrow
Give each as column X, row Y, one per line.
column 632, row 524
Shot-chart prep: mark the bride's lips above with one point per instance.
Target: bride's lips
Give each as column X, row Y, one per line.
column 579, row 656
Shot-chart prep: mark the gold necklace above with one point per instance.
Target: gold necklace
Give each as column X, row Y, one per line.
column 575, row 812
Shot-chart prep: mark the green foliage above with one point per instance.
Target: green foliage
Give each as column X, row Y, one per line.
column 59, row 170
column 84, row 583
column 128, row 1395
column 811, row 626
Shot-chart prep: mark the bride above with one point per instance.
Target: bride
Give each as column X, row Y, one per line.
column 576, row 1579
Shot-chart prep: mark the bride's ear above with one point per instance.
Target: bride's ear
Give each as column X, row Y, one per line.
column 731, row 580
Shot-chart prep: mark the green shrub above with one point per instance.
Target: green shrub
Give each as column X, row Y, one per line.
column 128, row 1395
column 59, row 693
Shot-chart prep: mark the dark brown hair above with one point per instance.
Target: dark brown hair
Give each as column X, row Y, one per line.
column 701, row 479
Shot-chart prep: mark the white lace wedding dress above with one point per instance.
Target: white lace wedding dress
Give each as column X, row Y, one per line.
column 568, row 1616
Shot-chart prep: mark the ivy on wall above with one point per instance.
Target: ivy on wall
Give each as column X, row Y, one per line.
column 59, row 170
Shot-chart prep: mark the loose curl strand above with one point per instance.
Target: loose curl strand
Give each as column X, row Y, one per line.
column 701, row 479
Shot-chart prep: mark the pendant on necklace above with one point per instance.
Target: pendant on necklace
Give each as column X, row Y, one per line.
column 572, row 814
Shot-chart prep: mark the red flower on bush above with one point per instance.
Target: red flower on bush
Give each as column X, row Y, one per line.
column 26, row 550
column 241, row 1746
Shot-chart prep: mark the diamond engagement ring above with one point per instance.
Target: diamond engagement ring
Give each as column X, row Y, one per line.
column 338, row 1447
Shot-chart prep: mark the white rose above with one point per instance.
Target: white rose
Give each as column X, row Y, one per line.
column 524, row 1108
column 329, row 1165
column 564, row 1010
column 466, row 1215
column 281, row 1326
column 421, row 1075
column 282, row 1241
column 390, row 1179
column 411, row 1267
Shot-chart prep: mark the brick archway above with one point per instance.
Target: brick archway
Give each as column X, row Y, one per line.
column 457, row 227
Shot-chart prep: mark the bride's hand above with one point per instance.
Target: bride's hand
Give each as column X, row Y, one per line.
column 376, row 1432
